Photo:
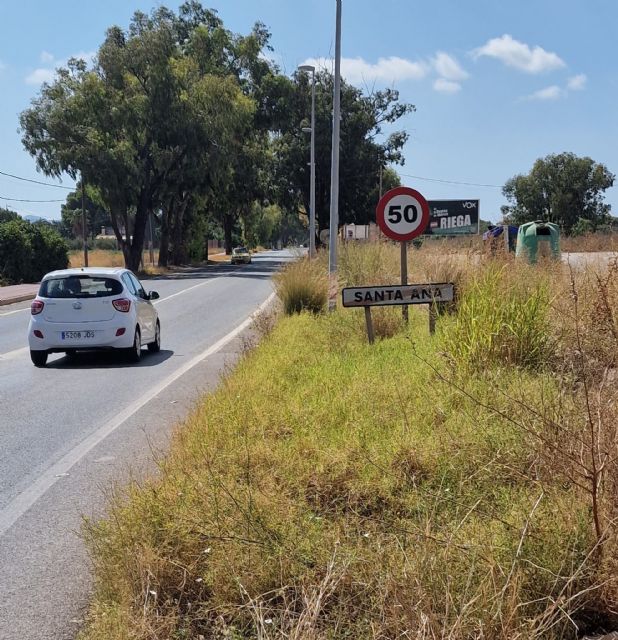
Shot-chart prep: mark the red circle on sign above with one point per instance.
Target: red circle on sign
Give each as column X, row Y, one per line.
column 391, row 214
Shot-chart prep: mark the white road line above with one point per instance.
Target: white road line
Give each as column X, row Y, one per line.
column 27, row 498
column 12, row 355
column 195, row 286
column 10, row 313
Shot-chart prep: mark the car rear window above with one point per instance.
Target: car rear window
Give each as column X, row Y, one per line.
column 80, row 286
column 241, row 250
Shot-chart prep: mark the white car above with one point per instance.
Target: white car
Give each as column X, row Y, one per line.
column 92, row 308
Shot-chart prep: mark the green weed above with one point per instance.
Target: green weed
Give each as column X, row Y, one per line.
column 502, row 320
column 302, row 286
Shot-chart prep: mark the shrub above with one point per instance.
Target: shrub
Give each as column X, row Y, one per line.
column 49, row 250
column 302, row 286
column 15, row 251
column 105, row 244
column 29, row 251
column 502, row 319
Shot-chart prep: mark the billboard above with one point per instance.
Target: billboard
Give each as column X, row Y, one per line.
column 453, row 217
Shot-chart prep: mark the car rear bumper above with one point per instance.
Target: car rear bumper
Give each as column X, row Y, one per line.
column 55, row 338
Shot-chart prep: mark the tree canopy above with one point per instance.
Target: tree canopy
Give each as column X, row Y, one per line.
column 561, row 188
column 182, row 120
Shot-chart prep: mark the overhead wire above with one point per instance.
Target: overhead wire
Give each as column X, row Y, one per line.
column 46, row 184
column 467, row 184
column 26, row 200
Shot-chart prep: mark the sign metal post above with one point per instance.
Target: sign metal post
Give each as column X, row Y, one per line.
column 404, row 276
column 403, row 214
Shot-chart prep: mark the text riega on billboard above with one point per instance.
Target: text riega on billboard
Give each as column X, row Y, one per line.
column 453, row 217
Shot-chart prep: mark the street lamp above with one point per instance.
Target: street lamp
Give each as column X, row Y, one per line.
column 311, row 69
column 334, row 176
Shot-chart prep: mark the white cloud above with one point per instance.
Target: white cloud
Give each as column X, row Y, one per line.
column 357, row 70
column 39, row 76
column 47, row 74
column 554, row 92
column 519, row 55
column 446, row 86
column 448, row 68
column 577, row 83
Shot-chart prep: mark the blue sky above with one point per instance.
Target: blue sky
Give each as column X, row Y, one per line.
column 497, row 83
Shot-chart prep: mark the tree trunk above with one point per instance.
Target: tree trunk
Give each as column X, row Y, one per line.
column 179, row 254
column 139, row 230
column 115, row 215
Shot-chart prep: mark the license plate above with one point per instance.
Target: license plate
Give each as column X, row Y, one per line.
column 77, row 335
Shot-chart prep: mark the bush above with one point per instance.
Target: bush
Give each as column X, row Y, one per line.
column 104, row 244
column 502, row 319
column 49, row 251
column 302, row 286
column 29, row 251
column 15, row 251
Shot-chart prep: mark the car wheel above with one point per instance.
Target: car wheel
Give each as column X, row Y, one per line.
column 155, row 345
column 134, row 353
column 39, row 358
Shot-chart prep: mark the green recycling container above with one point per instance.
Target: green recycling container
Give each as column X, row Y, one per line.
column 535, row 237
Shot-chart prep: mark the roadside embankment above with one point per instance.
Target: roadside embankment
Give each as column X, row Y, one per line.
column 423, row 487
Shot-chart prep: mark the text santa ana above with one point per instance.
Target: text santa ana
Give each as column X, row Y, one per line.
column 397, row 294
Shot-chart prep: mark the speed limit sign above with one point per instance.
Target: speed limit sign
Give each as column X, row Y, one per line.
column 402, row 214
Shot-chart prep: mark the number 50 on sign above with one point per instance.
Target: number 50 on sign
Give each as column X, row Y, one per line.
column 402, row 214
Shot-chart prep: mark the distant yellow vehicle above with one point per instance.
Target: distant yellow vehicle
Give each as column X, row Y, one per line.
column 241, row 255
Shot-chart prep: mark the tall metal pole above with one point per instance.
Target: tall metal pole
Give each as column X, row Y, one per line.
column 334, row 176
column 84, row 230
column 312, row 192
column 151, row 242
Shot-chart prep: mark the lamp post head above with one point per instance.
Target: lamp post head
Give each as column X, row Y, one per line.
column 307, row 67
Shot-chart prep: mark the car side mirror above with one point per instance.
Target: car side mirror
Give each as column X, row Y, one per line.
column 153, row 295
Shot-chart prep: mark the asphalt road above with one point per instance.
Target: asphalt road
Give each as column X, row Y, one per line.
column 70, row 430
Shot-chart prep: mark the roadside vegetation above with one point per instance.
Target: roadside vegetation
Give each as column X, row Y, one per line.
column 460, row 485
column 28, row 251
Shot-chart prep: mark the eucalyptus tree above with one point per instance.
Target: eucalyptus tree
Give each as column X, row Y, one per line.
column 154, row 119
column 365, row 147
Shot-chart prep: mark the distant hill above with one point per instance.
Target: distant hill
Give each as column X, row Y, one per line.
column 32, row 218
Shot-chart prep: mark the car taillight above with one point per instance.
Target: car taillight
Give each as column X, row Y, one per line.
column 122, row 304
column 36, row 307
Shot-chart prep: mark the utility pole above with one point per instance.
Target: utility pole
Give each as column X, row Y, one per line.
column 84, row 229
column 334, row 177
column 151, row 242
column 311, row 69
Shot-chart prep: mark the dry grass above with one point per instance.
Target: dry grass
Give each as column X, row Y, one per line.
column 302, row 286
column 331, row 489
column 100, row 258
column 590, row 242
column 218, row 257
